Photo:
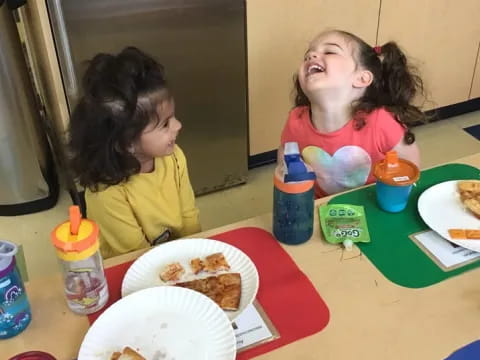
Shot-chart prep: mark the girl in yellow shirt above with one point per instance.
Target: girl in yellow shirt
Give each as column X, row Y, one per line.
column 123, row 151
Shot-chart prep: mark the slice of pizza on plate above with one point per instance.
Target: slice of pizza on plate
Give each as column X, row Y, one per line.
column 469, row 191
column 215, row 263
column 197, row 265
column 224, row 289
column 127, row 354
column 172, row 272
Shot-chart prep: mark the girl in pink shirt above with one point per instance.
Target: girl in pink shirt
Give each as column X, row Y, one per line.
column 353, row 104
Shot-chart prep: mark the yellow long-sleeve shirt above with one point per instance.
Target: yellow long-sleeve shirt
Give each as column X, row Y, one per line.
column 135, row 214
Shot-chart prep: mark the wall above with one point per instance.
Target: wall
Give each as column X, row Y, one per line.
column 278, row 33
column 475, row 88
column 442, row 38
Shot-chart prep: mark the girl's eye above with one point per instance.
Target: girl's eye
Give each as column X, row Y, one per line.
column 308, row 56
column 329, row 52
column 164, row 124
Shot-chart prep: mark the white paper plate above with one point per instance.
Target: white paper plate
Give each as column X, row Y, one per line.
column 162, row 323
column 144, row 272
column 441, row 209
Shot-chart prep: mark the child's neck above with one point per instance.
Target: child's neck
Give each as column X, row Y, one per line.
column 331, row 118
column 147, row 166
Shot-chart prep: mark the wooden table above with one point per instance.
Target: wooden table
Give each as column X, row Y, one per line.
column 371, row 318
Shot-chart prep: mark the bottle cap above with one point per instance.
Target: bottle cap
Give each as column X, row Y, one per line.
column 294, row 168
column 348, row 244
column 291, row 148
column 395, row 171
column 77, row 238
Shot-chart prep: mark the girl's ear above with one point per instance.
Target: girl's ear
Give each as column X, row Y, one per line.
column 363, row 79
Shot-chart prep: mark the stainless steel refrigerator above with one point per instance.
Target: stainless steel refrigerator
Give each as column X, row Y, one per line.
column 28, row 182
column 201, row 43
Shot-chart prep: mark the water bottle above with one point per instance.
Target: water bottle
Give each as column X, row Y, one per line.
column 15, row 312
column 293, row 199
column 77, row 246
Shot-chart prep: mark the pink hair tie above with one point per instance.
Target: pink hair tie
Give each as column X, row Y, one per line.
column 377, row 49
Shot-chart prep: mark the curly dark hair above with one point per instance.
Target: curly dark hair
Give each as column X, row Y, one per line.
column 121, row 95
column 395, row 85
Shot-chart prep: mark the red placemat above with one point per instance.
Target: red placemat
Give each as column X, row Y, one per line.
column 285, row 293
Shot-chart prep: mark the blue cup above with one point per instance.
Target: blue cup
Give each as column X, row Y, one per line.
column 395, row 178
column 393, row 198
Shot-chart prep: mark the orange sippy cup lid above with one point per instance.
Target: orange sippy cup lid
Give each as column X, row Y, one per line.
column 395, row 171
column 76, row 237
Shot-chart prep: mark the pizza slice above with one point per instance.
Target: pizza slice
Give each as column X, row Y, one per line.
column 196, row 265
column 224, row 289
column 470, row 195
column 172, row 272
column 469, row 185
column 215, row 262
column 232, row 291
column 127, row 354
column 474, row 206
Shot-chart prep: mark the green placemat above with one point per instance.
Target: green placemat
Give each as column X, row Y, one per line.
column 397, row 257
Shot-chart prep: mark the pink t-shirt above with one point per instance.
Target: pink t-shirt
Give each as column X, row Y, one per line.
column 343, row 159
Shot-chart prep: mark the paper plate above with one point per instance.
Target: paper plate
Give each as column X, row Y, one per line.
column 162, row 323
column 144, row 272
column 441, row 209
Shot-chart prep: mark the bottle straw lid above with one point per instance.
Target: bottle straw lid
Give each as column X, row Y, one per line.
column 7, row 256
column 7, row 248
column 291, row 148
column 396, row 171
column 77, row 238
column 391, row 158
column 75, row 219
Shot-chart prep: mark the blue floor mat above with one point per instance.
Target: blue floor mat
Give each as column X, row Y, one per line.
column 468, row 352
column 474, row 131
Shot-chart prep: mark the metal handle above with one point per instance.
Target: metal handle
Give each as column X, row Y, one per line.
column 63, row 48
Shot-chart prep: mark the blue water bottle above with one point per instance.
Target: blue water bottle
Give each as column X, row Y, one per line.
column 293, row 199
column 15, row 312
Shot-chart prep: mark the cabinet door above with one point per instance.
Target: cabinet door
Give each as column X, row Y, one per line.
column 278, row 33
column 441, row 36
column 475, row 92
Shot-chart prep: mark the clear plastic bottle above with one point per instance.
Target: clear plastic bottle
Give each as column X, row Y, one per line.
column 76, row 242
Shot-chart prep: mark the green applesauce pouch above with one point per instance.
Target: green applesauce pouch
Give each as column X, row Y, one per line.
column 343, row 223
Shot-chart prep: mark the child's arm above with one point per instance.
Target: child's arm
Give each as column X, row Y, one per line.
column 391, row 134
column 191, row 222
column 279, row 167
column 408, row 152
column 280, row 156
column 120, row 232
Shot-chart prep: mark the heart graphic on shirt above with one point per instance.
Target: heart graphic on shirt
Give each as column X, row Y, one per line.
column 348, row 168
